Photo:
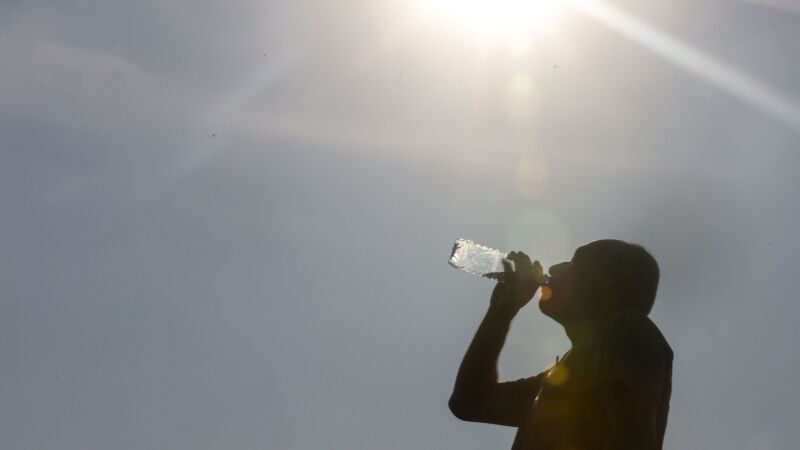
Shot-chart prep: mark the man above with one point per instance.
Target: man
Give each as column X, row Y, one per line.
column 611, row 390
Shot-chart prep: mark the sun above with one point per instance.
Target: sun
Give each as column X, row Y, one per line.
column 500, row 19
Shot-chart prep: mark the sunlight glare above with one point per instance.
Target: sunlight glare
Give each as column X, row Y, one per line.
column 509, row 20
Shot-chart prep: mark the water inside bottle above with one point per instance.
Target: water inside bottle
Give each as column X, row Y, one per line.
column 475, row 258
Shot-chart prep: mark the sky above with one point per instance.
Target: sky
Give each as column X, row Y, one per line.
column 226, row 224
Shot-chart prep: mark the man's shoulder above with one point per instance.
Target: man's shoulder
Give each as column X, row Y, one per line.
column 632, row 351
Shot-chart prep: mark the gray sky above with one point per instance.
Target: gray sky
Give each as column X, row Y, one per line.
column 226, row 224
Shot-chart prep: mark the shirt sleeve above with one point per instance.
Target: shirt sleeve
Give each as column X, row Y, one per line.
column 506, row 403
column 633, row 353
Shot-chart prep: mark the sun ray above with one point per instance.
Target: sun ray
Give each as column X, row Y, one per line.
column 792, row 6
column 715, row 72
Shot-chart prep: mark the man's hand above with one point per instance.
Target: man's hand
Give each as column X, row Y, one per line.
column 517, row 284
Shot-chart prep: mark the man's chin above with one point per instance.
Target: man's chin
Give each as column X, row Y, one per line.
column 548, row 308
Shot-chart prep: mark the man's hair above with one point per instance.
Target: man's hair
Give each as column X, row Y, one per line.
column 640, row 292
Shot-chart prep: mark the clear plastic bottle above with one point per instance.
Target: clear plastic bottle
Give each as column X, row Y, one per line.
column 484, row 261
column 476, row 258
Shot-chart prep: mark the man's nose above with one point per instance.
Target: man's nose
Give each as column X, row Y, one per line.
column 554, row 270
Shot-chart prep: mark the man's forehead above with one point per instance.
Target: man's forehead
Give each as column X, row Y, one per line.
column 586, row 250
column 596, row 249
column 581, row 253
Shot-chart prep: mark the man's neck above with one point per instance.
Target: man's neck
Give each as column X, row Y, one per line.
column 581, row 331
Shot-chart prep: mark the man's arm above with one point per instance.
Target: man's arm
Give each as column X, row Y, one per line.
column 477, row 395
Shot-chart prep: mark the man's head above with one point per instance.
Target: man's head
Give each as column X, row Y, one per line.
column 603, row 277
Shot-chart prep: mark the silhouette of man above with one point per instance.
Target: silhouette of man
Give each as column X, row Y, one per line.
column 611, row 390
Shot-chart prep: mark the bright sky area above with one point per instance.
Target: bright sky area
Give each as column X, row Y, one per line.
column 225, row 225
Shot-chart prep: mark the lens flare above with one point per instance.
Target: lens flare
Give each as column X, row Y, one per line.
column 531, row 177
column 557, row 375
column 521, row 98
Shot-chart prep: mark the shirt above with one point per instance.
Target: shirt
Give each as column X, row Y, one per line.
column 565, row 406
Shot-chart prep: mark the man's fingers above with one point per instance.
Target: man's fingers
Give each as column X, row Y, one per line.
column 538, row 273
column 523, row 264
column 524, row 259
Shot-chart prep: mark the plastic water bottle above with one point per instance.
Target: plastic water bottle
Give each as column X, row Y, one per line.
column 484, row 261
column 476, row 258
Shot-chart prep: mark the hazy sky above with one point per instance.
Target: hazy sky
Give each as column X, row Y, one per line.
column 225, row 225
